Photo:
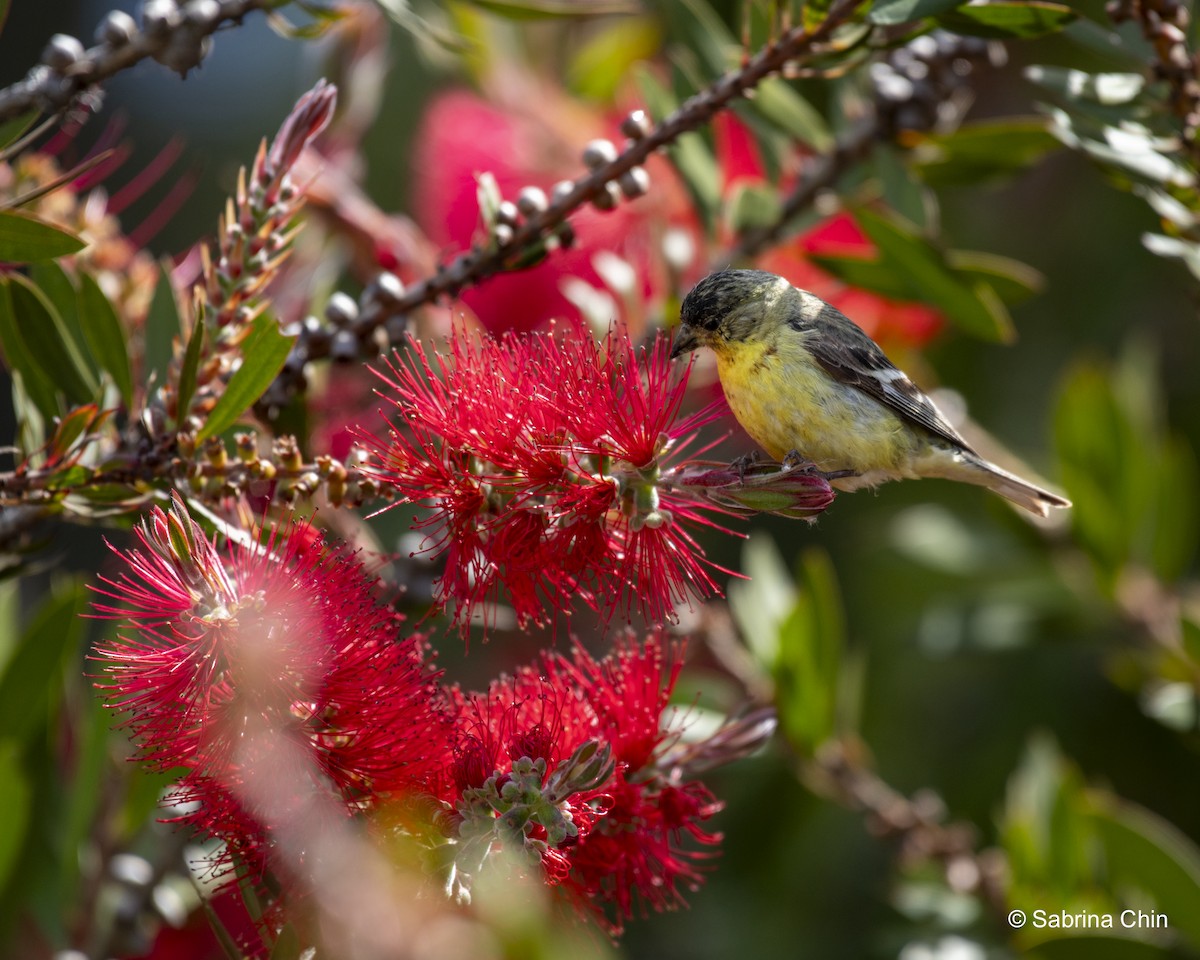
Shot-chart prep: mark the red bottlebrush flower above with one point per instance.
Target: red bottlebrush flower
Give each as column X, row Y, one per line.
column 544, row 459
column 627, row 847
column 286, row 636
column 536, row 143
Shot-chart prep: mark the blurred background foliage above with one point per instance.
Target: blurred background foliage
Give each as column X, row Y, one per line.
column 1038, row 683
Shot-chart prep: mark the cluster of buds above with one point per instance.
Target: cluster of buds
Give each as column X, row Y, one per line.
column 282, row 476
column 554, row 469
column 921, row 84
column 254, row 236
column 1166, row 24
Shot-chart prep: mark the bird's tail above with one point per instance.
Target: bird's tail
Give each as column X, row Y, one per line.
column 1021, row 492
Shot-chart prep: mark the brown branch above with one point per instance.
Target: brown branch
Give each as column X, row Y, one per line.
column 178, row 40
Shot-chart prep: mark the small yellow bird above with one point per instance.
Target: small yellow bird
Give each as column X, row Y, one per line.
column 808, row 384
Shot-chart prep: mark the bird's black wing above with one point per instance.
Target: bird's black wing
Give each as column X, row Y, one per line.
column 851, row 357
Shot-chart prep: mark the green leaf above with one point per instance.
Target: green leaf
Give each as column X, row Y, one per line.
column 1014, row 281
column 162, row 326
column 1008, row 19
column 704, row 33
column 60, row 290
column 890, row 12
column 1094, row 947
column 187, row 374
column 71, row 428
column 90, row 737
column 24, row 239
column 1174, row 248
column 751, row 205
column 1106, row 89
column 554, row 9
column 603, row 62
column 811, row 641
column 49, row 343
column 1145, row 852
column 779, row 103
column 760, row 604
column 28, row 380
column 34, row 672
column 983, row 150
column 1176, row 511
column 16, row 798
column 105, row 336
column 12, row 130
column 865, row 274
column 974, row 306
column 263, row 354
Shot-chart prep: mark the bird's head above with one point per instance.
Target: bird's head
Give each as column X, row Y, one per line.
column 729, row 307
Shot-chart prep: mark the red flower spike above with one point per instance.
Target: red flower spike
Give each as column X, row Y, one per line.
column 287, row 635
column 631, row 850
column 544, row 461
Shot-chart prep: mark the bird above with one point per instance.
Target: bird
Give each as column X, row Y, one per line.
column 809, row 386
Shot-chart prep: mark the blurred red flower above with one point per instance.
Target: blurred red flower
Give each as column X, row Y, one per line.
column 286, row 637
column 535, row 139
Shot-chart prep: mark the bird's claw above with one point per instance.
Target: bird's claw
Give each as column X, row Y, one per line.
column 744, row 463
column 794, row 460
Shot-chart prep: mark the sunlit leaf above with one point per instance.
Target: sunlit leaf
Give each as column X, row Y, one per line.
column 263, row 354
column 761, row 602
column 1008, row 19
column 752, row 205
column 24, row 239
column 811, row 642
column 888, row 12
column 70, row 429
column 554, row 9
column 983, row 150
column 104, row 336
column 1146, row 852
column 1014, row 281
column 1107, row 89
column 603, row 62
column 783, row 106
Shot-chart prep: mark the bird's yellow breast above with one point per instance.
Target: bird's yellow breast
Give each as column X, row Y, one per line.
column 786, row 401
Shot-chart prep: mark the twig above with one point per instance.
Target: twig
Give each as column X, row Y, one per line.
column 178, row 39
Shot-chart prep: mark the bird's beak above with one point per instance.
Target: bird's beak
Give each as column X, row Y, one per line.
column 685, row 341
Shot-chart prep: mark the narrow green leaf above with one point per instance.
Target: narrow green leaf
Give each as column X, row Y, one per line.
column 1146, row 852
column 33, row 674
column 12, row 130
column 162, row 326
column 1014, row 281
column 71, row 428
column 1106, row 89
column 32, row 382
column 16, row 798
column 973, row 306
column 105, row 336
column 263, row 355
column 890, row 12
column 554, row 9
column 60, row 290
column 91, row 737
column 983, row 151
column 24, row 239
column 603, row 62
column 49, row 343
column 783, row 106
column 1176, row 523
column 705, row 33
column 762, row 602
column 191, row 363
column 1008, row 19
column 751, row 205
column 866, row 274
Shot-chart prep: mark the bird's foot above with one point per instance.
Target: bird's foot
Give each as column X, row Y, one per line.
column 745, row 462
column 795, row 460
